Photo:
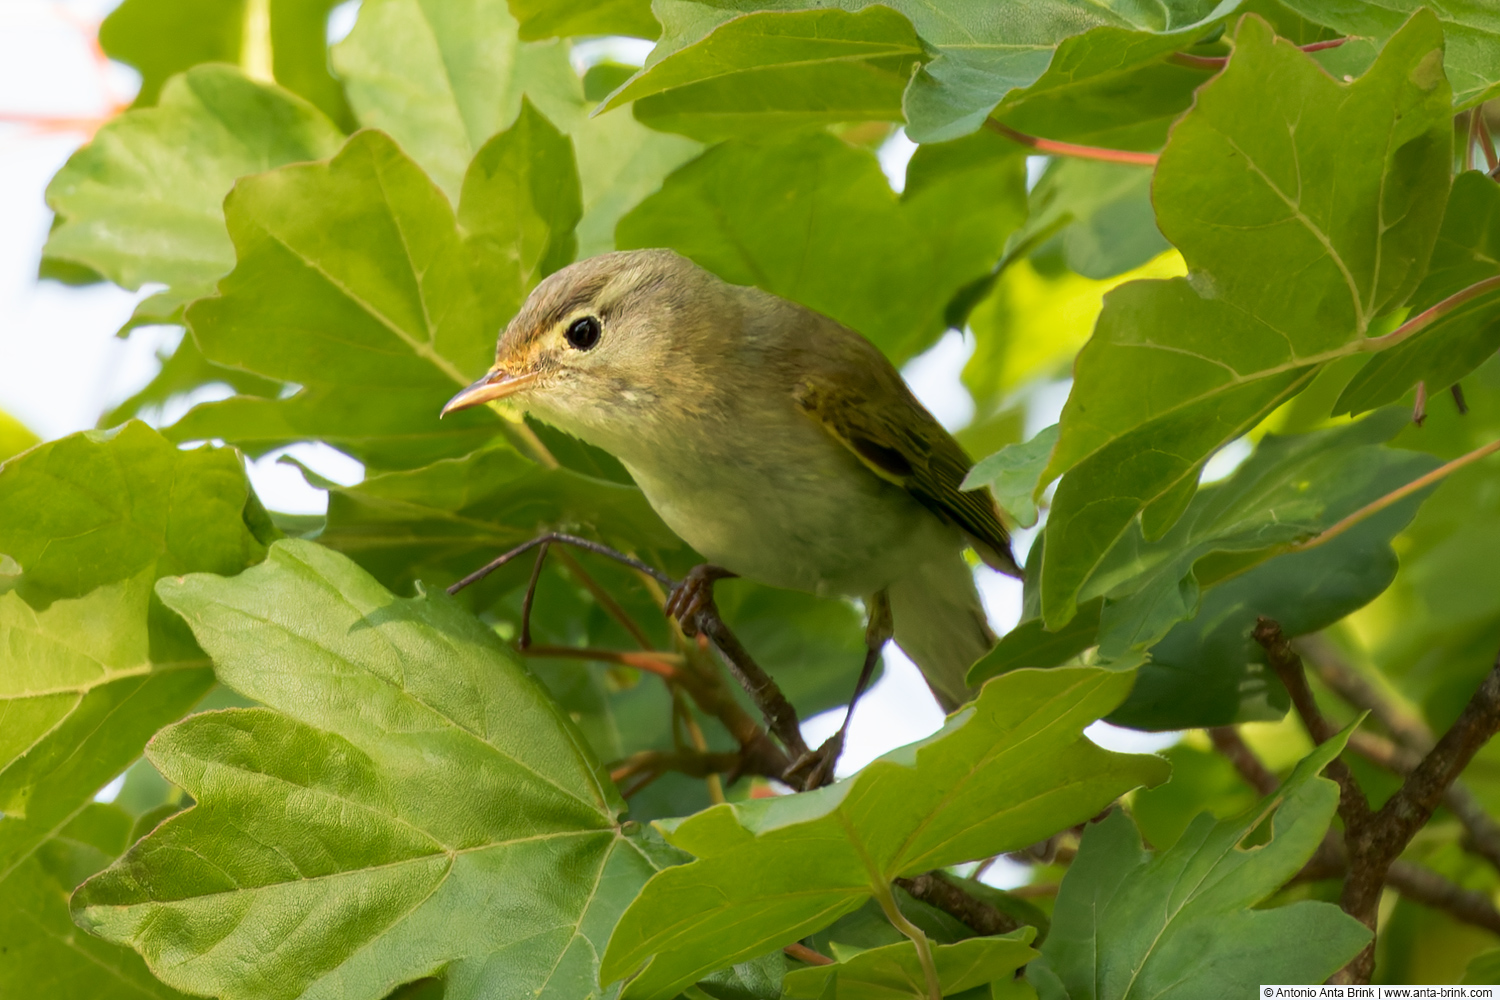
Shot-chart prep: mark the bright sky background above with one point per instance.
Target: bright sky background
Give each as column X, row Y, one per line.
column 61, row 365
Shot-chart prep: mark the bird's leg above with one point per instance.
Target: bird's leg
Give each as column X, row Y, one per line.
column 818, row 765
column 694, row 594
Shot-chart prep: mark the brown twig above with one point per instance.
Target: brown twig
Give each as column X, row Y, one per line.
column 1414, row 738
column 803, row 953
column 1219, row 62
column 935, row 889
column 703, row 686
column 1373, row 841
column 780, row 716
column 1419, row 405
column 1227, row 740
column 664, row 665
column 1396, row 495
column 1486, row 141
column 693, row 763
column 604, row 599
column 1354, row 808
column 1344, row 680
column 1330, row 860
column 1057, row 148
column 1418, row 884
column 1457, row 392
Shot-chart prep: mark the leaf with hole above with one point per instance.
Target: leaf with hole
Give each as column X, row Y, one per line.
column 1004, row 772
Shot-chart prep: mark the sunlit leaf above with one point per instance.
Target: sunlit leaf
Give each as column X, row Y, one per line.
column 379, row 329
column 998, row 776
column 550, row 18
column 163, row 37
column 1129, row 923
column 44, row 953
column 775, row 70
column 143, row 201
column 1012, row 474
column 1171, row 375
column 894, row 973
column 814, row 220
column 483, row 839
column 14, row 436
column 1467, row 252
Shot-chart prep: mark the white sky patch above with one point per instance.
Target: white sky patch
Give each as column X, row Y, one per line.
column 935, row 377
column 111, row 791
column 897, row 710
column 894, row 154
column 341, row 21
column 1122, row 740
column 610, row 48
column 280, row 485
column 1226, row 460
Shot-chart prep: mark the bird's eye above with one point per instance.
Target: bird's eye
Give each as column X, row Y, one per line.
column 583, row 333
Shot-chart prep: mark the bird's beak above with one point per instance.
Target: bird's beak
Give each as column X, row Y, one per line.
column 493, row 384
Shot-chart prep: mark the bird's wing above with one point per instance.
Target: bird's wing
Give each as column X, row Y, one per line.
column 874, row 415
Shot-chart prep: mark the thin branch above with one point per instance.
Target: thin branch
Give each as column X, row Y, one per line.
column 781, row 717
column 1219, row 62
column 604, row 599
column 758, row 752
column 1419, row 405
column 803, row 953
column 1397, row 495
column 1375, row 840
column 526, row 602
column 1354, row 808
column 1428, row 316
column 693, row 763
column 1345, row 680
column 566, row 539
column 1406, row 812
column 666, row 665
column 1422, row 885
column 1227, row 740
column 1486, row 141
column 935, row 889
column 1057, row 148
column 1457, row 392
column 1471, row 132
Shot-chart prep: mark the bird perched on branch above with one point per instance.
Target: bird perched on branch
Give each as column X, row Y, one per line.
column 781, row 445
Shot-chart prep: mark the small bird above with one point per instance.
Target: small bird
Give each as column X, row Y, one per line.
column 779, row 444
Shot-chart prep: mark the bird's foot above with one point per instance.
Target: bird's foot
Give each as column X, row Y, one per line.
column 814, row 769
column 694, row 594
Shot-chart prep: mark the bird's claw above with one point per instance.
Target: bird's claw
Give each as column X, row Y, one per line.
column 694, row 594
column 814, row 769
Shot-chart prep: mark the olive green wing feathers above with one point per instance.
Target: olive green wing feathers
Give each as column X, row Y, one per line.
column 874, row 415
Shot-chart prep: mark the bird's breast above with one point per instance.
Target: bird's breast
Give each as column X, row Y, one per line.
column 786, row 505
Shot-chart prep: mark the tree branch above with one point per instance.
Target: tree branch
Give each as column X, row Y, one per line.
column 759, row 755
column 1219, row 62
column 1413, row 736
column 1331, row 861
column 937, row 890
column 1373, row 841
column 1421, row 482
column 1227, row 740
column 1057, row 148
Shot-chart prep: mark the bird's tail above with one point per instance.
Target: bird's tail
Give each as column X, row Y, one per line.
column 940, row 623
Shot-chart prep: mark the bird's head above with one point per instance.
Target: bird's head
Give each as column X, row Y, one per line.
column 603, row 338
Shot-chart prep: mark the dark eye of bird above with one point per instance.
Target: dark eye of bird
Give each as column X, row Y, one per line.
column 583, row 333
